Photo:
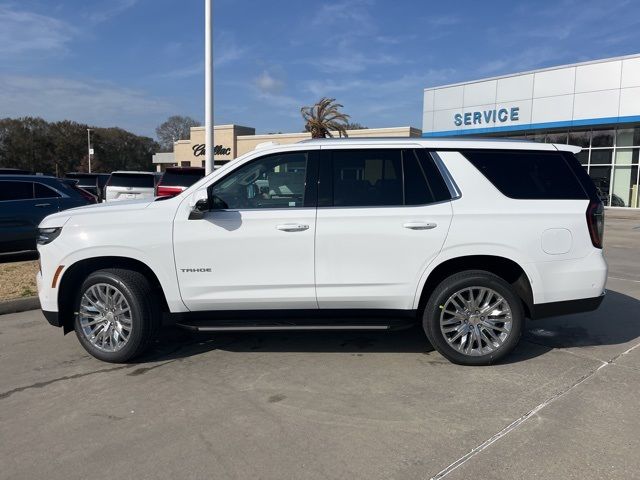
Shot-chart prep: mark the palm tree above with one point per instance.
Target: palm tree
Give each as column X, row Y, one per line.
column 323, row 117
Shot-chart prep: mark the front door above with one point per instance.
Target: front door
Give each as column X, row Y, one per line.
column 255, row 248
column 383, row 216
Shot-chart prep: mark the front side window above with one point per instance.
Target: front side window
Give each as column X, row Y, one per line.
column 15, row 190
column 274, row 181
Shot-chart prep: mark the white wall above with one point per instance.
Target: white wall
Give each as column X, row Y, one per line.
column 581, row 94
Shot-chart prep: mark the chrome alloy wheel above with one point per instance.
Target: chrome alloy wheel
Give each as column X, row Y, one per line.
column 105, row 317
column 476, row 320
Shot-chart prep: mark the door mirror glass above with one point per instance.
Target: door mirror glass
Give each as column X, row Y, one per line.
column 199, row 204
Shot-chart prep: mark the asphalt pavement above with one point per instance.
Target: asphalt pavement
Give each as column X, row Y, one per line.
column 333, row 405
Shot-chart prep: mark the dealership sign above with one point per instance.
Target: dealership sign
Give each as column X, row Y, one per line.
column 487, row 117
column 199, row 150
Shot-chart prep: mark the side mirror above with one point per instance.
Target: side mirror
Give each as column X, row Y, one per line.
column 199, row 204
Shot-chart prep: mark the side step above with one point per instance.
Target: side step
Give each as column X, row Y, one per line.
column 257, row 322
column 283, row 327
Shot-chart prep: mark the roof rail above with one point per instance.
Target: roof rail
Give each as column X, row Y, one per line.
column 268, row 144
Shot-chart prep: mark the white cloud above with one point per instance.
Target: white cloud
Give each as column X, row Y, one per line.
column 109, row 9
column 267, row 83
column 25, row 33
column 95, row 103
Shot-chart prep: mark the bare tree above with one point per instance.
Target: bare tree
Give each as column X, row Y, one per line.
column 323, row 117
column 175, row 128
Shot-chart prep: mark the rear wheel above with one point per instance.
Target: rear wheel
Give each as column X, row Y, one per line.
column 117, row 316
column 473, row 318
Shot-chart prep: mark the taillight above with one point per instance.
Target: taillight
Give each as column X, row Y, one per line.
column 169, row 191
column 595, row 222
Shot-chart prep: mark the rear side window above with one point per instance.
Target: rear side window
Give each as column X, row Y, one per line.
column 42, row 191
column 16, row 191
column 365, row 178
column 132, row 180
column 422, row 181
column 528, row 175
column 381, row 177
column 177, row 178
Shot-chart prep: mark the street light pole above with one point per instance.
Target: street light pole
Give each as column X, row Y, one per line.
column 89, row 147
column 208, row 87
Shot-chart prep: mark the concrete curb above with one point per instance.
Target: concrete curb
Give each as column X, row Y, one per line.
column 19, row 305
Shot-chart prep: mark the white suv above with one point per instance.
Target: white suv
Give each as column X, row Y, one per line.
column 468, row 237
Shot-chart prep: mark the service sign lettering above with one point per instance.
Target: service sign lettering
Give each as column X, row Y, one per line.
column 487, row 117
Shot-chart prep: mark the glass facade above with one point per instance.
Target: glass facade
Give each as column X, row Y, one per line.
column 610, row 155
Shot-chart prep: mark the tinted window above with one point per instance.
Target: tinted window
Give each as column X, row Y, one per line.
column 16, row 190
column 528, row 175
column 132, row 180
column 416, row 187
column 275, row 181
column 436, row 183
column 42, row 191
column 177, row 178
column 363, row 178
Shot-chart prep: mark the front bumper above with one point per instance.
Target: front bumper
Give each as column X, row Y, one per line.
column 53, row 318
column 567, row 307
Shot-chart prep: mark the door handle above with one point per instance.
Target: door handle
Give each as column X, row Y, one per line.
column 419, row 225
column 292, row 227
column 42, row 204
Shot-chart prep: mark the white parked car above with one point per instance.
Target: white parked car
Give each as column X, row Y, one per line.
column 131, row 186
column 466, row 237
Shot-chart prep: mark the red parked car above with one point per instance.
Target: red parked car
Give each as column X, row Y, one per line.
column 177, row 179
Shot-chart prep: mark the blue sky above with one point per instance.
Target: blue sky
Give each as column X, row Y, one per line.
column 132, row 63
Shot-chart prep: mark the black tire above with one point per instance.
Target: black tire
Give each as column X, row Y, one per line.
column 460, row 281
column 145, row 314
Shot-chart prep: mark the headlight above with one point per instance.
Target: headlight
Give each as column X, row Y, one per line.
column 48, row 235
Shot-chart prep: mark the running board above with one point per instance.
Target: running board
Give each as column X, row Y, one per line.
column 268, row 328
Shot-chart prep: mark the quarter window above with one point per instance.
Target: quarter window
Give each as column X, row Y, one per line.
column 528, row 174
column 275, row 181
column 16, row 190
column 42, row 191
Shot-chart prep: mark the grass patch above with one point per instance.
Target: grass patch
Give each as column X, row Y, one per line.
column 18, row 280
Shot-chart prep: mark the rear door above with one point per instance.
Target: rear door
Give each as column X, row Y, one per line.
column 383, row 216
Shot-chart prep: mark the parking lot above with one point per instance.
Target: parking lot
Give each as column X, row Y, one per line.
column 333, row 405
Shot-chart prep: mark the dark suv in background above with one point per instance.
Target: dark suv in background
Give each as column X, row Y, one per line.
column 26, row 199
column 91, row 182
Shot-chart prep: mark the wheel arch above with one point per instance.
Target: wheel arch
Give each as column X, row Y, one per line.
column 506, row 268
column 76, row 273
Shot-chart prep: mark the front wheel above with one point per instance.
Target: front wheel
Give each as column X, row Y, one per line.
column 117, row 317
column 473, row 318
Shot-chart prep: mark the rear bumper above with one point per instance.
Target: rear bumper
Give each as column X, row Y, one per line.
column 567, row 307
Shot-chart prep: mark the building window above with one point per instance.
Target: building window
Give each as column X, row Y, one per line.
column 185, row 164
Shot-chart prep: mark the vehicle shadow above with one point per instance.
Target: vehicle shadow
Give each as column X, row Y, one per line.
column 616, row 322
column 23, row 256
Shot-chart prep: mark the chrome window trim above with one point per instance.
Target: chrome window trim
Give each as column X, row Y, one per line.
column 454, row 191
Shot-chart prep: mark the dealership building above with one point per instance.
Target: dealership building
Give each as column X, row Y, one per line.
column 595, row 105
column 231, row 141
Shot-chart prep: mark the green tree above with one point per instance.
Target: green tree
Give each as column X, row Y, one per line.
column 323, row 117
